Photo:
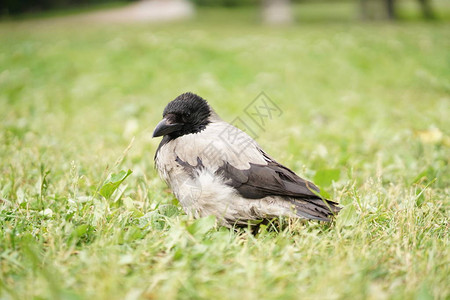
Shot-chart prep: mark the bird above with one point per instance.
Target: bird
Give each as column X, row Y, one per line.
column 214, row 168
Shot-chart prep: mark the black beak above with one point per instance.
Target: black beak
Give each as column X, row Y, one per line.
column 165, row 127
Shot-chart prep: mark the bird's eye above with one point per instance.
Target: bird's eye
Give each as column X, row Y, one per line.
column 185, row 118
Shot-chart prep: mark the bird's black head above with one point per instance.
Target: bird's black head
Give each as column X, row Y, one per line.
column 188, row 113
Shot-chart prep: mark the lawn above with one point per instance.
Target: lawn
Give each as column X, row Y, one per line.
column 364, row 114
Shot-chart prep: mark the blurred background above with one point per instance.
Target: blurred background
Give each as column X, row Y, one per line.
column 363, row 88
column 353, row 78
column 272, row 11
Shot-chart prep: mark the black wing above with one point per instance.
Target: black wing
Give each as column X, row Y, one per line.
column 274, row 179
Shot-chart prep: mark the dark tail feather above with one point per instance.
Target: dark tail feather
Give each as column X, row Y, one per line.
column 316, row 209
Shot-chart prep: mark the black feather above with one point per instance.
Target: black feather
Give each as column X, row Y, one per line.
column 188, row 109
column 274, row 179
column 191, row 170
column 191, row 110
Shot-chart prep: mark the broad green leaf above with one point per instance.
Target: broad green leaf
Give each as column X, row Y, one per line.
column 325, row 177
column 112, row 183
column 79, row 231
column 201, row 226
column 168, row 210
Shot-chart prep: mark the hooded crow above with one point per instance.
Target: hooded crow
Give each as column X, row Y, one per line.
column 213, row 168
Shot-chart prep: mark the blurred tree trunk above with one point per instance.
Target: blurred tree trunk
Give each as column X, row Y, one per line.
column 376, row 9
column 390, row 10
column 386, row 9
column 363, row 9
column 427, row 10
column 277, row 12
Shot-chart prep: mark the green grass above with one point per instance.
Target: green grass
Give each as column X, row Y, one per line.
column 365, row 115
